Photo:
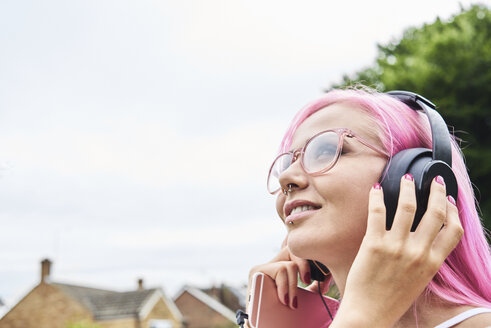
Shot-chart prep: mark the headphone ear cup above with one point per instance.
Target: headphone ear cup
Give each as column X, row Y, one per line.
column 433, row 169
column 420, row 164
column 411, row 161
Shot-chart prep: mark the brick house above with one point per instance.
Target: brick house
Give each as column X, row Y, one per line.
column 201, row 310
column 231, row 297
column 56, row 305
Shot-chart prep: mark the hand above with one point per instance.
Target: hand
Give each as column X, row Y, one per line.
column 392, row 268
column 284, row 269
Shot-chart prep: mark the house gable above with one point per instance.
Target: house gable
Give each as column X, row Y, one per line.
column 202, row 311
column 159, row 304
column 45, row 307
column 160, row 311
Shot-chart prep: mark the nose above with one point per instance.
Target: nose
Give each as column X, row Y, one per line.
column 294, row 175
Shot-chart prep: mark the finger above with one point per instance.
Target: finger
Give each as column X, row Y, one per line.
column 285, row 242
column 314, row 287
column 281, row 280
column 451, row 233
column 325, row 285
column 376, row 211
column 292, row 270
column 435, row 215
column 406, row 207
column 303, row 269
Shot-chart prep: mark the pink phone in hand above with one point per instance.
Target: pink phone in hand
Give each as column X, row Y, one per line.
column 266, row 311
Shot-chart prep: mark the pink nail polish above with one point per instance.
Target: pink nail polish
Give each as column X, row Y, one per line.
column 408, row 176
column 377, row 186
column 439, row 179
column 295, row 304
column 451, row 200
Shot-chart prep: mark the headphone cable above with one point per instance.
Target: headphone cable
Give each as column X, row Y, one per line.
column 324, row 301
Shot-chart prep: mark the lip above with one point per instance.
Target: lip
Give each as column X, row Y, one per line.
column 288, row 207
column 298, row 216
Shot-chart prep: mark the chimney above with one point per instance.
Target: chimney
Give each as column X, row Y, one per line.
column 214, row 292
column 140, row 284
column 45, row 270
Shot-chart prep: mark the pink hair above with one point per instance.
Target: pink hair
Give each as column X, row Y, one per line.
column 465, row 276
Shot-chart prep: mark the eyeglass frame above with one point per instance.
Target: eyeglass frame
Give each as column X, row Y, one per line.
column 341, row 132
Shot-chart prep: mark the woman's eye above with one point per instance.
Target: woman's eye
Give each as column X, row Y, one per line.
column 325, row 151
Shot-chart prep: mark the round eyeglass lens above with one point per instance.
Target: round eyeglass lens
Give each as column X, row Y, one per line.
column 320, row 153
column 280, row 164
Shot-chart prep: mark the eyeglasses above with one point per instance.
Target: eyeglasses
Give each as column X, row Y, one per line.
column 319, row 155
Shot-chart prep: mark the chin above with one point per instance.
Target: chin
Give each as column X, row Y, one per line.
column 320, row 245
column 303, row 245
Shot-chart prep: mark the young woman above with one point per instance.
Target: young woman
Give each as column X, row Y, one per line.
column 329, row 198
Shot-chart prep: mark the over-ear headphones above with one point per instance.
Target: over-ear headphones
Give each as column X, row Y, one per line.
column 424, row 164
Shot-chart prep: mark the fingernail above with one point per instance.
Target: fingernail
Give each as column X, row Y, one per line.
column 439, row 179
column 306, row 278
column 377, row 186
column 451, row 200
column 295, row 305
column 408, row 176
column 287, row 299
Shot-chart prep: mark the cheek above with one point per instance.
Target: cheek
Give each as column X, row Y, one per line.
column 280, row 202
column 351, row 199
column 346, row 198
column 356, row 213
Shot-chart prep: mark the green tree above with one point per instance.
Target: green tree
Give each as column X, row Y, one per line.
column 448, row 62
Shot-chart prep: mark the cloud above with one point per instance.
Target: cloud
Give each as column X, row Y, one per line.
column 233, row 233
column 148, row 153
column 292, row 36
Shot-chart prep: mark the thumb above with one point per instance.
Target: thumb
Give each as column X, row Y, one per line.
column 314, row 287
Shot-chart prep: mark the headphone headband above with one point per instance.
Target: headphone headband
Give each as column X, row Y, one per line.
column 442, row 149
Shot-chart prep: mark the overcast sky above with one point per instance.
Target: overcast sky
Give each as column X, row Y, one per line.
column 135, row 136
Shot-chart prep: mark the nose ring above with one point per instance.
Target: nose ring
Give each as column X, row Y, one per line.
column 286, row 191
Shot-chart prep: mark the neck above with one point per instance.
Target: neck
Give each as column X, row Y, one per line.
column 339, row 276
column 429, row 311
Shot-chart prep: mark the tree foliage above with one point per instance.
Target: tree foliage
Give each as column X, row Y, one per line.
column 448, row 62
